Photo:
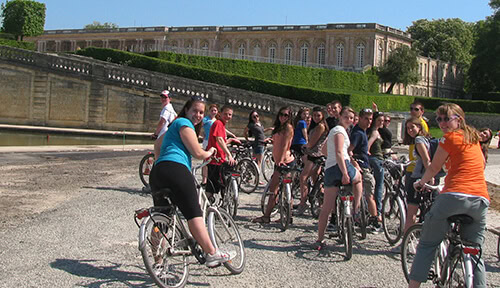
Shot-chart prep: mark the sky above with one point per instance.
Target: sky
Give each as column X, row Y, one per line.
column 399, row 14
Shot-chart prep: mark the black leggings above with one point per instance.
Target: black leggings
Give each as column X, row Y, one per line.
column 178, row 178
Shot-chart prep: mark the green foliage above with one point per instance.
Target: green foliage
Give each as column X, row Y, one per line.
column 23, row 18
column 96, row 25
column 400, row 67
column 357, row 100
column 450, row 40
column 7, row 36
column 18, row 44
column 484, row 73
column 487, row 96
column 294, row 75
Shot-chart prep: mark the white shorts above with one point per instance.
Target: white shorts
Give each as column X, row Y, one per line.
column 204, row 144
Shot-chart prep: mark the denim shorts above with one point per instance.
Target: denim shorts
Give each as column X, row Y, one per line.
column 333, row 175
column 259, row 149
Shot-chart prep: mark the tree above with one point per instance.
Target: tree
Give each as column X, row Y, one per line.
column 97, row 25
column 23, row 18
column 450, row 40
column 484, row 73
column 401, row 67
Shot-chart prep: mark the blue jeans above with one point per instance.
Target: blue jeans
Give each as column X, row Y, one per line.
column 378, row 173
column 436, row 225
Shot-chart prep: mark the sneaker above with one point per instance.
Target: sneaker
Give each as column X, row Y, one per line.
column 218, row 258
column 376, row 228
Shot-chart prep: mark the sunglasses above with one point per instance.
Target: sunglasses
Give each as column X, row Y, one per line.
column 414, row 109
column 163, row 97
column 255, row 116
column 284, row 115
column 446, row 119
column 388, row 121
column 367, row 110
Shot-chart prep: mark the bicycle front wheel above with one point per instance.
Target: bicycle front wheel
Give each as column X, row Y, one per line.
column 267, row 165
column 145, row 167
column 285, row 207
column 249, row 175
column 409, row 248
column 316, row 198
column 363, row 217
column 225, row 236
column 264, row 200
column 393, row 217
column 156, row 235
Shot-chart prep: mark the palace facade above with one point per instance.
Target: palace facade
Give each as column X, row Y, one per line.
column 351, row 47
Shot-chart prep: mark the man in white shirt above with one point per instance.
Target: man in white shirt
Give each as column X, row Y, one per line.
column 167, row 115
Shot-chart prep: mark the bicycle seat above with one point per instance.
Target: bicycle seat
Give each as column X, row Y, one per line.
column 461, row 218
column 285, row 169
column 164, row 193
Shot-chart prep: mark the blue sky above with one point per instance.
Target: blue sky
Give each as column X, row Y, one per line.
column 74, row 14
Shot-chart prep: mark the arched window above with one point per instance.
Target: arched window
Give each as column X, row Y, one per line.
column 288, row 53
column 256, row 50
column 303, row 54
column 321, row 54
column 241, row 51
column 340, row 55
column 189, row 48
column 360, row 55
column 204, row 49
column 272, row 53
column 226, row 50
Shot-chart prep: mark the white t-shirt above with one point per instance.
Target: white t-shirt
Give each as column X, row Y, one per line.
column 167, row 113
column 331, row 159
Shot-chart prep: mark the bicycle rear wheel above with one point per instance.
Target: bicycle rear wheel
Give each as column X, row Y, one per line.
column 145, row 167
column 155, row 243
column 264, row 200
column 224, row 235
column 393, row 217
column 409, row 248
column 249, row 175
column 363, row 217
column 285, row 206
column 347, row 227
column 230, row 202
column 456, row 272
column 316, row 198
column 267, row 165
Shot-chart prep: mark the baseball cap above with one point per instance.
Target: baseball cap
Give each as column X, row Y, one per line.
column 165, row 93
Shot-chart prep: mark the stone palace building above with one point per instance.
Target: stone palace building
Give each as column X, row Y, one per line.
column 351, row 47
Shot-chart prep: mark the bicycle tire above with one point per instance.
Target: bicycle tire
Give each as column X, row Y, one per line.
column 264, row 200
column 249, row 175
column 230, row 202
column 316, row 199
column 224, row 234
column 393, row 217
column 174, row 270
column 363, row 218
column 285, row 206
column 409, row 248
column 145, row 167
column 347, row 237
column 457, row 272
column 267, row 165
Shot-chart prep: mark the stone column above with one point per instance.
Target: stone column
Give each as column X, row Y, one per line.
column 105, row 43
column 88, row 43
column 122, row 44
column 58, row 45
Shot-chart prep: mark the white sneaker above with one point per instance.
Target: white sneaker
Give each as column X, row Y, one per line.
column 218, row 258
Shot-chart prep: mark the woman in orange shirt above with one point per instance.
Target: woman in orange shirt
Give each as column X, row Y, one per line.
column 282, row 140
column 464, row 192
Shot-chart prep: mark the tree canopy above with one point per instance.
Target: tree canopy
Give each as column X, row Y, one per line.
column 23, row 18
column 401, row 67
column 484, row 73
column 450, row 40
column 98, row 25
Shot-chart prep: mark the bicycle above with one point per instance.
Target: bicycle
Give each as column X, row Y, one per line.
column 394, row 204
column 247, row 167
column 284, row 197
column 267, row 165
column 316, row 195
column 345, row 200
column 412, row 235
column 230, row 196
column 145, row 166
column 166, row 244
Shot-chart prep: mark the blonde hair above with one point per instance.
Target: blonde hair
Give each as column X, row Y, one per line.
column 471, row 136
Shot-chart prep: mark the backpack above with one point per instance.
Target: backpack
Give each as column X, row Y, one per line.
column 433, row 145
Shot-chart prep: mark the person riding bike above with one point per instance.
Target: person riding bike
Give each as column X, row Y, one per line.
column 464, row 192
column 172, row 170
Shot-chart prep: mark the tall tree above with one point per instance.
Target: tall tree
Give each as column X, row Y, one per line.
column 401, row 67
column 450, row 40
column 484, row 73
column 23, row 18
column 98, row 25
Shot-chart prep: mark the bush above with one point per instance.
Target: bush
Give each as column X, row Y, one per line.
column 18, row 44
column 325, row 79
column 356, row 100
column 7, row 36
column 487, row 96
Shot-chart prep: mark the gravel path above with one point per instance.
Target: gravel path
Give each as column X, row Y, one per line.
column 67, row 220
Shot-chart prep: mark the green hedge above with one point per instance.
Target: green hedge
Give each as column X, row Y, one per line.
column 324, row 79
column 487, row 96
column 7, row 36
column 357, row 100
column 18, row 44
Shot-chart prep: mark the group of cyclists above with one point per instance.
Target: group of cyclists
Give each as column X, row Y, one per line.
column 354, row 145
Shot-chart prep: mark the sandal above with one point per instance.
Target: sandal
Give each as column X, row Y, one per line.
column 262, row 220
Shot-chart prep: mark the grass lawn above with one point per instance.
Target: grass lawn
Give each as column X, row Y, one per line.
column 436, row 132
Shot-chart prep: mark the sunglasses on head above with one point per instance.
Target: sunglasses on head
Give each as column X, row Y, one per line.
column 367, row 110
column 440, row 119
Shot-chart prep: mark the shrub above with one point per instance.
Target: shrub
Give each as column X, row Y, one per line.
column 18, row 44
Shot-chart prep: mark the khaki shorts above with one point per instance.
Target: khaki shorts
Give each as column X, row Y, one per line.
column 368, row 182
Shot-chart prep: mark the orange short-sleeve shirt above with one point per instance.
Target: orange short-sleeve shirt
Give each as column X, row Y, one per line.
column 465, row 166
